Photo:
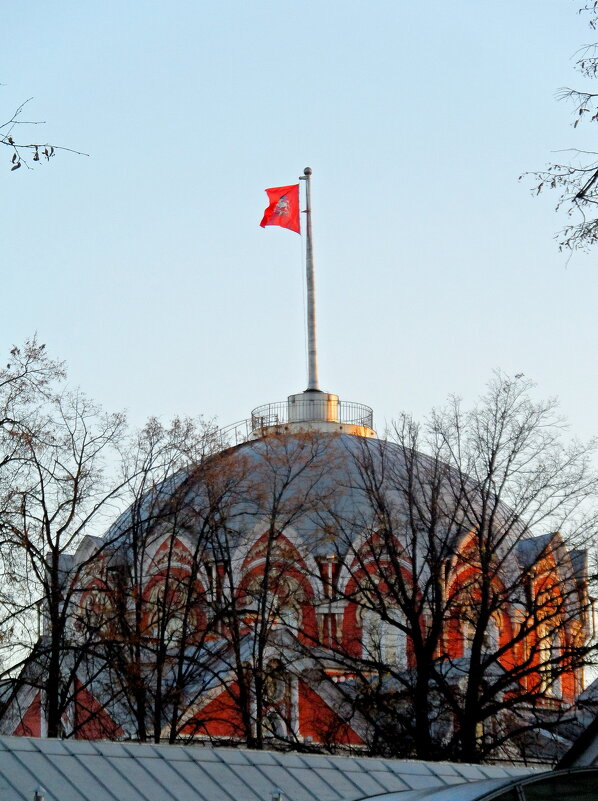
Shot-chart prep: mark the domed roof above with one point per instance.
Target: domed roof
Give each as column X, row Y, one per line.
column 298, row 477
column 326, row 490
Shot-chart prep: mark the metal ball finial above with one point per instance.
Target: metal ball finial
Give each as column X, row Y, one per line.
column 307, row 171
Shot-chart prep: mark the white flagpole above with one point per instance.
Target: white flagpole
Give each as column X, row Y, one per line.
column 312, row 346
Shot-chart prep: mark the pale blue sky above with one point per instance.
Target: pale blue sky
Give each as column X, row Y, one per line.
column 144, row 266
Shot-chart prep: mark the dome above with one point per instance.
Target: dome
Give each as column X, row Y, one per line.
column 317, row 587
column 325, row 491
column 324, row 589
column 307, row 469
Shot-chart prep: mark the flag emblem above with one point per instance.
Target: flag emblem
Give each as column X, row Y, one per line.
column 283, row 208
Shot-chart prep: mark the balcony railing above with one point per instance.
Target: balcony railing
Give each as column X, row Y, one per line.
column 345, row 413
column 277, row 414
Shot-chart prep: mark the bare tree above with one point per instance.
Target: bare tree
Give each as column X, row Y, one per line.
column 26, row 381
column 137, row 629
column 158, row 620
column 575, row 177
column 391, row 546
column 471, row 629
column 518, row 590
column 214, row 617
column 195, row 604
column 54, row 489
column 20, row 149
column 266, row 592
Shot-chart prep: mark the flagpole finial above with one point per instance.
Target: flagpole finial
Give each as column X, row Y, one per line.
column 307, row 171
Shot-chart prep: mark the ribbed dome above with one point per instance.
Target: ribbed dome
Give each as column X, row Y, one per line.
column 326, row 490
column 300, row 478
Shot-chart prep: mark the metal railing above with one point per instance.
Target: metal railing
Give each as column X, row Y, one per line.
column 234, row 434
column 277, row 414
column 345, row 413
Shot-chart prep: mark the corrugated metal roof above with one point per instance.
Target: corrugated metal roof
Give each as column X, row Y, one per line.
column 81, row 770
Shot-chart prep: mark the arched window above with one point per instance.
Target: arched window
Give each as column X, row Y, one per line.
column 93, row 614
column 490, row 635
column 491, row 638
column 289, row 615
column 167, row 612
column 383, row 640
column 282, row 604
column 275, row 725
column 550, row 655
column 275, row 684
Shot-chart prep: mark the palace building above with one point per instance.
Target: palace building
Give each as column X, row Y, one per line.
column 309, row 585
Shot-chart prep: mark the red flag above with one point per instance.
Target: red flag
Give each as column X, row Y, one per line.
column 284, row 208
